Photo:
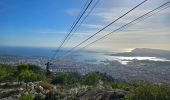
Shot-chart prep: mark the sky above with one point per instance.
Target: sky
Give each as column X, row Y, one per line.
column 44, row 23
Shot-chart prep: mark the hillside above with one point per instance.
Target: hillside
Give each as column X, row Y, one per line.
column 145, row 52
column 28, row 82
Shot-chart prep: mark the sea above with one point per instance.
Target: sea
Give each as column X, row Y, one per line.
column 93, row 57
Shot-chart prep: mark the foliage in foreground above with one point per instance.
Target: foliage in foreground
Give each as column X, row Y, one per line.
column 6, row 73
column 26, row 96
column 64, row 78
column 92, row 78
column 21, row 73
column 146, row 91
column 54, row 95
column 31, row 73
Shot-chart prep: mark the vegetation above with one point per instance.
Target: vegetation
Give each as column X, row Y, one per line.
column 64, row 79
column 54, row 95
column 146, row 91
column 26, row 96
column 6, row 73
column 33, row 73
column 29, row 73
column 21, row 72
column 27, row 76
column 91, row 79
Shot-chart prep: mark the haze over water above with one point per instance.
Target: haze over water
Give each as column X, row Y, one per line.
column 90, row 57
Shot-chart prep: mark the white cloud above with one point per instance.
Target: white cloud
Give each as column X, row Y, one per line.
column 149, row 32
column 92, row 26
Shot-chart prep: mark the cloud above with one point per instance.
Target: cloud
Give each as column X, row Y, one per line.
column 152, row 32
column 92, row 26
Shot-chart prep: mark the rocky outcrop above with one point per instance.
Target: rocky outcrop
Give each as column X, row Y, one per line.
column 79, row 92
column 104, row 94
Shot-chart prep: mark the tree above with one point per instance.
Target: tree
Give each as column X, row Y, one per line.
column 29, row 73
column 40, row 73
column 20, row 69
column 63, row 78
column 3, row 73
column 36, row 69
column 6, row 72
column 71, row 79
column 105, row 77
column 27, row 76
column 59, row 78
column 92, row 78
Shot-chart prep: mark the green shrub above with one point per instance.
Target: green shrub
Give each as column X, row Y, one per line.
column 6, row 73
column 92, row 78
column 26, row 96
column 39, row 97
column 71, row 79
column 29, row 73
column 105, row 77
column 147, row 91
column 63, row 78
column 120, row 85
column 59, row 78
column 54, row 95
column 35, row 69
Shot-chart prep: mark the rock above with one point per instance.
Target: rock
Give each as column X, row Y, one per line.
column 40, row 87
column 118, row 94
column 73, row 91
column 2, row 84
column 39, row 97
column 8, row 98
column 20, row 89
column 97, row 94
column 126, row 89
column 9, row 93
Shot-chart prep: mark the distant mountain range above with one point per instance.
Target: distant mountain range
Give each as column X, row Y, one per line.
column 145, row 52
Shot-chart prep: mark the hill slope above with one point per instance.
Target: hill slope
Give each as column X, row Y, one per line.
column 145, row 52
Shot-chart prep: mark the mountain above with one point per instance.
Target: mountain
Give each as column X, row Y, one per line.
column 145, row 52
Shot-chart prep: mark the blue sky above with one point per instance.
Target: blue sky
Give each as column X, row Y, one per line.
column 27, row 19
column 44, row 23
